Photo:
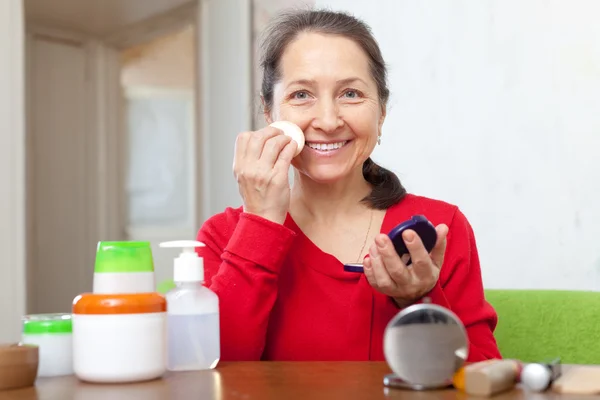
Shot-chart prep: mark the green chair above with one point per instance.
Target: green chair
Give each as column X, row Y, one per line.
column 537, row 325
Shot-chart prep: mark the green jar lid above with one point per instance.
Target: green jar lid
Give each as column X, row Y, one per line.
column 124, row 257
column 36, row 324
column 165, row 286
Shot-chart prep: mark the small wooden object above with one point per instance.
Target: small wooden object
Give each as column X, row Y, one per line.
column 18, row 365
column 490, row 377
column 582, row 380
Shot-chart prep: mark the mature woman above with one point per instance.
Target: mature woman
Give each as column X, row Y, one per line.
column 277, row 262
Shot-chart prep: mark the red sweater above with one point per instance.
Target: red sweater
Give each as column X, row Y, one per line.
column 282, row 298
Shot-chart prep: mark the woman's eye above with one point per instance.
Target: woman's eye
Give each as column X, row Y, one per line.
column 300, row 95
column 351, row 94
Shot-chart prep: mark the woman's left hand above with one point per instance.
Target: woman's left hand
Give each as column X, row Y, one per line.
column 390, row 275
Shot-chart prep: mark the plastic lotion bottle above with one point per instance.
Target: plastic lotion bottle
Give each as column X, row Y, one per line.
column 193, row 333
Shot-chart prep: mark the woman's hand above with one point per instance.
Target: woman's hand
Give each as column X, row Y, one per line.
column 261, row 166
column 389, row 274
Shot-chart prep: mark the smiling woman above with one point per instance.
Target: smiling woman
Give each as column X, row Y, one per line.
column 277, row 262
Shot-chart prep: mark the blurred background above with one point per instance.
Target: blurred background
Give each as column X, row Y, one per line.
column 118, row 120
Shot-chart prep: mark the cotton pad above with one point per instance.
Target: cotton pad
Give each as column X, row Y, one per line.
column 292, row 130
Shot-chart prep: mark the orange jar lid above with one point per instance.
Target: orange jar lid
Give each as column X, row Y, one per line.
column 130, row 303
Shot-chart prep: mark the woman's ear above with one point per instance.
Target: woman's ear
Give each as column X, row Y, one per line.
column 382, row 118
column 266, row 113
column 268, row 118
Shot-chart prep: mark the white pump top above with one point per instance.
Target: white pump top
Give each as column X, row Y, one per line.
column 189, row 266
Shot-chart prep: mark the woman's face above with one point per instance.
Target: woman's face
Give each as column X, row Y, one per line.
column 326, row 89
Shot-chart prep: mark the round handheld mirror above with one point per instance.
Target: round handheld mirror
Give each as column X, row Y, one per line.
column 424, row 345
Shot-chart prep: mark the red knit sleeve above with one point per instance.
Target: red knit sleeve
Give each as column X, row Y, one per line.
column 242, row 259
column 460, row 288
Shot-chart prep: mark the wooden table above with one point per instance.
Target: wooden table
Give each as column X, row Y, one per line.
column 255, row 380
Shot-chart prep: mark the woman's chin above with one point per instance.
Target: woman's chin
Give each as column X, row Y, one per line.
column 326, row 174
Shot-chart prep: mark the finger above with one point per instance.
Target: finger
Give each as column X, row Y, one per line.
column 390, row 259
column 272, row 149
column 381, row 276
column 405, row 259
column 415, row 247
column 368, row 271
column 439, row 250
column 241, row 142
column 282, row 165
column 257, row 141
column 421, row 260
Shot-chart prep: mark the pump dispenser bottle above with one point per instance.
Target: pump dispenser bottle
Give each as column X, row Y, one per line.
column 193, row 333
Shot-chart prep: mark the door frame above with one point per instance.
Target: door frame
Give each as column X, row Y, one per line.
column 13, row 229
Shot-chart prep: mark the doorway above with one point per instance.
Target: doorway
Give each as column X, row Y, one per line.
column 64, row 197
column 111, row 95
column 158, row 80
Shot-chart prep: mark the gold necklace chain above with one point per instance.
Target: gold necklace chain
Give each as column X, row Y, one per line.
column 366, row 237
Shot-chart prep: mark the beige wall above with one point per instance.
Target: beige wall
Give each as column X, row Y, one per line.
column 164, row 62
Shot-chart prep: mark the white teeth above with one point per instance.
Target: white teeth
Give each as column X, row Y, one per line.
column 326, row 146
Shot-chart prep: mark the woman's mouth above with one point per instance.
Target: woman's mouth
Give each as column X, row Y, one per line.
column 327, row 146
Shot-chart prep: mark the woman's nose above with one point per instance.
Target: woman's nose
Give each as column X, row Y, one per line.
column 327, row 118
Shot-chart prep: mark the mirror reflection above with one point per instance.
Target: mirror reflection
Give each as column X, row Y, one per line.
column 425, row 345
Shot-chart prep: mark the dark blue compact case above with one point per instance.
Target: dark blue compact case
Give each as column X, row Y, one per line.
column 420, row 225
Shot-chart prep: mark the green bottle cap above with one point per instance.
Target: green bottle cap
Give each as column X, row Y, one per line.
column 118, row 257
column 37, row 324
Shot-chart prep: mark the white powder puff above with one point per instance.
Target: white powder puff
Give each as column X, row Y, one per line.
column 292, row 130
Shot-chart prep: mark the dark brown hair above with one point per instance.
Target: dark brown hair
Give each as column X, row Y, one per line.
column 387, row 189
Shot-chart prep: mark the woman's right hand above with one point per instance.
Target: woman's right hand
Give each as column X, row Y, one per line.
column 261, row 166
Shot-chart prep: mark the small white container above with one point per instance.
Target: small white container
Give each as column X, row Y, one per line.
column 119, row 338
column 52, row 333
column 124, row 267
